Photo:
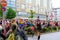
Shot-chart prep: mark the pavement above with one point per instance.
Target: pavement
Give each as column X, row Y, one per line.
column 47, row 36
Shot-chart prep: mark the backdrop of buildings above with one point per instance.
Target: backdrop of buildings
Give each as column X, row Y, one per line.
column 42, row 8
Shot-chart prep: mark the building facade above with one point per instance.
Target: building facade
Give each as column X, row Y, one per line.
column 40, row 7
column 56, row 12
column 11, row 4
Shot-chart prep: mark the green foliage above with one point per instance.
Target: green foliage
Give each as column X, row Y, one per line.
column 58, row 28
column 54, row 28
column 27, row 28
column 31, row 14
column 44, row 30
column 1, row 12
column 10, row 14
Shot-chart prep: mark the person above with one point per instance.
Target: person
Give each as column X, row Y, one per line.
column 27, row 23
column 48, row 24
column 22, row 32
column 7, row 27
column 14, row 22
column 31, row 23
column 56, row 24
column 12, row 33
column 43, row 24
column 1, row 22
column 2, row 37
column 38, row 24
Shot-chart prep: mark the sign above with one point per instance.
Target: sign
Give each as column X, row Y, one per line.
column 4, row 3
column 3, row 9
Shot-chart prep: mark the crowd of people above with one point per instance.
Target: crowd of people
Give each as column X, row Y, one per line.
column 14, row 29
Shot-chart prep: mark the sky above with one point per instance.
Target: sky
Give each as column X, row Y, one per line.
column 55, row 3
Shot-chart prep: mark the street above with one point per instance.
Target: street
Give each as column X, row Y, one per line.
column 48, row 36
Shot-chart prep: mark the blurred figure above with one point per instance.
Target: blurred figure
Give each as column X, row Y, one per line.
column 7, row 27
column 1, row 22
column 43, row 24
column 31, row 23
column 14, row 22
column 38, row 24
column 48, row 24
column 2, row 37
column 13, row 34
column 28, row 23
column 22, row 32
column 56, row 23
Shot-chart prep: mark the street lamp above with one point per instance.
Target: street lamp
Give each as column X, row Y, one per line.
column 4, row 4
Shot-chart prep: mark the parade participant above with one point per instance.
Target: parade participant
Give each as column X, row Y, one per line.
column 22, row 32
column 13, row 33
column 2, row 36
column 38, row 24
column 7, row 26
column 14, row 22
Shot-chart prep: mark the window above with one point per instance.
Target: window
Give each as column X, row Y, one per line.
column 30, row 1
column 12, row 0
column 38, row 2
column 41, row 10
column 30, row 8
column 22, row 6
column 36, row 9
column 55, row 11
column 13, row 5
column 27, row 1
column 8, row 5
column 7, row 0
column 22, row 14
column 33, row 8
column 45, row 3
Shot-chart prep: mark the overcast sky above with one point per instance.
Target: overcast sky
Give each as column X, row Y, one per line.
column 55, row 3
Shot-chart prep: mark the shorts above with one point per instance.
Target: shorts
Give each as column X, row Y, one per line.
column 39, row 29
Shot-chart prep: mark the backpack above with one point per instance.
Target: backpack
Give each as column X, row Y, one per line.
column 11, row 37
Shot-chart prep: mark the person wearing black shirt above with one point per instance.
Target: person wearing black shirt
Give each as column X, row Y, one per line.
column 38, row 24
column 56, row 24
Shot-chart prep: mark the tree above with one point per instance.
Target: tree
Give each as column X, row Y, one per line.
column 10, row 13
column 1, row 12
column 31, row 14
